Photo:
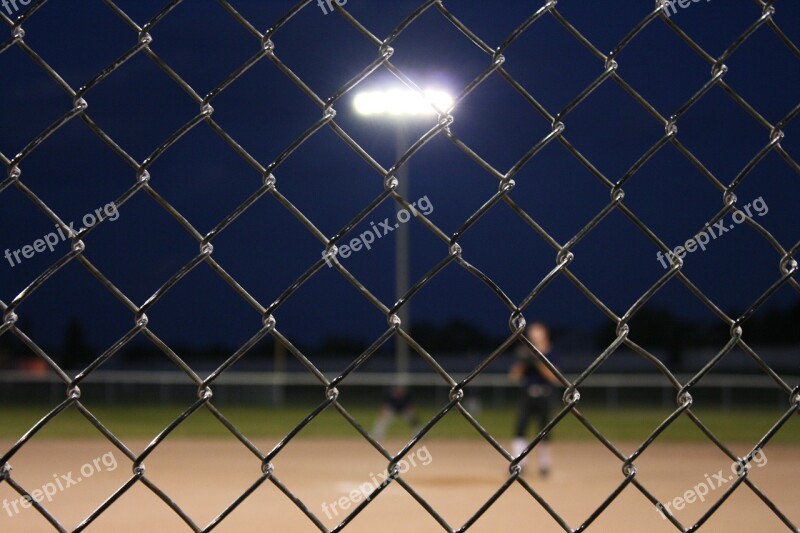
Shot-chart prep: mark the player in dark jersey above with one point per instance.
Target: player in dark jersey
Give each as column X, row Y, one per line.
column 398, row 403
column 536, row 381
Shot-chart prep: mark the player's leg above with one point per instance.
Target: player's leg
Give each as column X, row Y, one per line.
column 382, row 423
column 411, row 417
column 520, row 440
column 543, row 448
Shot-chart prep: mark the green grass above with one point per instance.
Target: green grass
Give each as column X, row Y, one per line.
column 269, row 422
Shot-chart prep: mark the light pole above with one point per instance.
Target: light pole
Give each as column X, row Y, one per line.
column 402, row 105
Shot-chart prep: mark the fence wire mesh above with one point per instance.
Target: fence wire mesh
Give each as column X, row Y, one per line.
column 267, row 47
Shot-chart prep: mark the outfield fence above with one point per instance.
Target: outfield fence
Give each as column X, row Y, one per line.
column 268, row 46
column 128, row 388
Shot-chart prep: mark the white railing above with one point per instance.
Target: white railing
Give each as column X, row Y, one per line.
column 119, row 384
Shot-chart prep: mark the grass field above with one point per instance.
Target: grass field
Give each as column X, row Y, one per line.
column 619, row 424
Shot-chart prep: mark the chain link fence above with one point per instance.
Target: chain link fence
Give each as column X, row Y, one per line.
column 268, row 46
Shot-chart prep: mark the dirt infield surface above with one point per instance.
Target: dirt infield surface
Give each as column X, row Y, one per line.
column 204, row 476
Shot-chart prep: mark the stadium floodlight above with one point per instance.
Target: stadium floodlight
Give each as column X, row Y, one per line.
column 402, row 102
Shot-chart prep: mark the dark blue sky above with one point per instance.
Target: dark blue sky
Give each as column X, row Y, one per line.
column 267, row 248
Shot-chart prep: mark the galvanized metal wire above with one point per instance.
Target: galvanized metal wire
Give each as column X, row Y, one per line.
column 267, row 49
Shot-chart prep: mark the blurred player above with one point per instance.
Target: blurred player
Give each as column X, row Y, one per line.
column 537, row 382
column 398, row 403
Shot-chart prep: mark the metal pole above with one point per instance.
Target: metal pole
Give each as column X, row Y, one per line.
column 402, row 261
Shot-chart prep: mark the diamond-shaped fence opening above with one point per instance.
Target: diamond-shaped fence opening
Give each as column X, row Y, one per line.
column 218, row 135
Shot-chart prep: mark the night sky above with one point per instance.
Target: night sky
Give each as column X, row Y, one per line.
column 267, row 248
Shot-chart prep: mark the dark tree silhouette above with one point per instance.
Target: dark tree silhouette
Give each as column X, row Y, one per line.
column 341, row 346
column 7, row 349
column 654, row 328
column 76, row 352
column 455, row 336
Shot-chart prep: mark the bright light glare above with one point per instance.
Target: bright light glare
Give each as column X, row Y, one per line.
column 402, row 102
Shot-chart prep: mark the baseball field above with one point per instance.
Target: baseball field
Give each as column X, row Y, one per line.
column 202, row 468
